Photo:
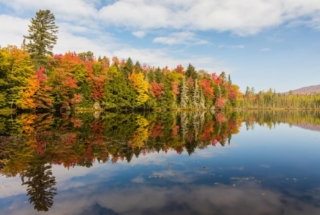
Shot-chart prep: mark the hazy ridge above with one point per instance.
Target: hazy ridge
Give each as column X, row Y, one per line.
column 306, row 90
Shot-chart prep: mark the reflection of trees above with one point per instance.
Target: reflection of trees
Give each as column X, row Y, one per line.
column 38, row 141
column 272, row 118
column 40, row 181
column 61, row 140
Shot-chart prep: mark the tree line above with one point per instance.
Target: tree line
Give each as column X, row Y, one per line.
column 272, row 100
column 32, row 77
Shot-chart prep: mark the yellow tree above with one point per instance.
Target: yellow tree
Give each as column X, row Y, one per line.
column 235, row 96
column 17, row 68
column 27, row 101
column 141, row 86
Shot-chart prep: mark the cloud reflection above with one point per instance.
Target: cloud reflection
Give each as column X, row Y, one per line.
column 248, row 197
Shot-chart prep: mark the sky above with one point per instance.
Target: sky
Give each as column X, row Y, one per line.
column 261, row 43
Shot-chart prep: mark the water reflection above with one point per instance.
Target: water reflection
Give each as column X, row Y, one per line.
column 40, row 182
column 33, row 144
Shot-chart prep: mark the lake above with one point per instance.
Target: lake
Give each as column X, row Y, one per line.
column 160, row 163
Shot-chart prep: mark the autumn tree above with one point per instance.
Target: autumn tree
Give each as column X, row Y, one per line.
column 15, row 70
column 42, row 37
column 157, row 89
column 141, row 87
column 234, row 95
column 63, row 82
column 175, row 91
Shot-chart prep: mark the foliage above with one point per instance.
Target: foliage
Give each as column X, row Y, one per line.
column 141, row 86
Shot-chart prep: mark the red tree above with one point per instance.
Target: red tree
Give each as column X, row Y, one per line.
column 207, row 88
column 97, row 88
column 157, row 89
column 175, row 88
column 179, row 69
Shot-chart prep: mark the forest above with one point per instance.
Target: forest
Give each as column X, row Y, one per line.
column 32, row 78
column 72, row 81
column 272, row 100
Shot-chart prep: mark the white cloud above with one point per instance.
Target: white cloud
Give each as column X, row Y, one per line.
column 70, row 42
column 72, row 10
column 240, row 17
column 73, row 38
column 180, row 38
column 12, row 30
column 265, row 49
column 139, row 34
column 162, row 58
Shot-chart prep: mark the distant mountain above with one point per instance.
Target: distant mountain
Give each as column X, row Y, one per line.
column 306, row 90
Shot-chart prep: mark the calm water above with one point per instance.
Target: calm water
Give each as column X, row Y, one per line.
column 160, row 163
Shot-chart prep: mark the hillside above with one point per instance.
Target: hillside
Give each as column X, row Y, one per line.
column 307, row 90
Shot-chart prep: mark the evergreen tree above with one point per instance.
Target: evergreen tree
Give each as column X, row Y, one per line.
column 191, row 72
column 137, row 66
column 116, row 92
column 42, row 37
column 159, row 76
column 229, row 80
column 127, row 70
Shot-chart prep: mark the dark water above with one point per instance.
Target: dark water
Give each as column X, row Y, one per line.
column 160, row 163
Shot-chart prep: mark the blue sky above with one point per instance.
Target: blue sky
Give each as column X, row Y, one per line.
column 261, row 43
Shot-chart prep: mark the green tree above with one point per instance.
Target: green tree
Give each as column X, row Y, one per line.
column 127, row 70
column 42, row 37
column 86, row 55
column 117, row 94
column 191, row 72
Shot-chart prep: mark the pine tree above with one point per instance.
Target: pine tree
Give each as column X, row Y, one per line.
column 191, row 72
column 42, row 37
column 127, row 70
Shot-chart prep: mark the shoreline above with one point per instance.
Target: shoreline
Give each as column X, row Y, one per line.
column 83, row 110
